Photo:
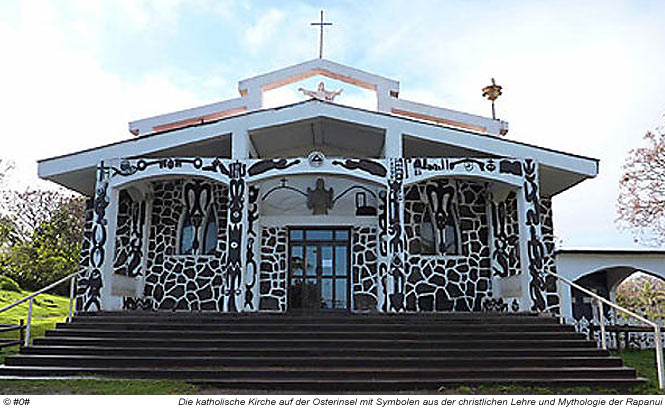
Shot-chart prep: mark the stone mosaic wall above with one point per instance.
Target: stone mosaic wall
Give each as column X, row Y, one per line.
column 506, row 236
column 178, row 282
column 129, row 236
column 273, row 271
column 549, row 258
column 455, row 282
column 364, row 269
column 86, row 244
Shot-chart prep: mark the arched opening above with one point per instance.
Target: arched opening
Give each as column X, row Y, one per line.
column 619, row 284
column 643, row 293
column 638, row 291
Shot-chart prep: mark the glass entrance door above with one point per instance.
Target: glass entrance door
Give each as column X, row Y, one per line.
column 318, row 268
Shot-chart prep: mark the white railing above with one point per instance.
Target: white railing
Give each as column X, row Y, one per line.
column 31, row 298
column 660, row 364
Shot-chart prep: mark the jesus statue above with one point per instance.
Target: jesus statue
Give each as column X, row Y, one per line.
column 321, row 93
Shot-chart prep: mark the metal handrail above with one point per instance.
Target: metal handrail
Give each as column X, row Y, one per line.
column 660, row 362
column 31, row 297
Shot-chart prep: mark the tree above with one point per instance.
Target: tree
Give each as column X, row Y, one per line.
column 643, row 294
column 32, row 207
column 8, row 235
column 641, row 202
column 46, row 242
column 5, row 168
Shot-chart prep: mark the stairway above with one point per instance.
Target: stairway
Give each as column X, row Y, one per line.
column 323, row 352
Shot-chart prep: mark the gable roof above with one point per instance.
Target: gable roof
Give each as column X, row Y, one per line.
column 559, row 170
column 251, row 99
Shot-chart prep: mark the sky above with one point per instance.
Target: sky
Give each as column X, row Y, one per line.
column 582, row 77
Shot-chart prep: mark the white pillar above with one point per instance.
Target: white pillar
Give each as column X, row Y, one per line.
column 566, row 301
column 253, row 98
column 396, row 274
column 240, row 144
column 383, row 99
column 524, row 299
column 532, row 248
column 93, row 283
column 110, row 302
column 393, row 144
column 236, row 238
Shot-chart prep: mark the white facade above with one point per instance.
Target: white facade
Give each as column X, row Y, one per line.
column 409, row 208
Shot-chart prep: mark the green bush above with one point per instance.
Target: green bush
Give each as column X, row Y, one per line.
column 9, row 284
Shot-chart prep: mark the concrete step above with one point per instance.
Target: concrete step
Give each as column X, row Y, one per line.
column 155, row 317
column 256, row 359
column 313, row 373
column 406, row 385
column 260, row 334
column 397, row 326
column 314, row 351
column 415, row 342
column 332, row 352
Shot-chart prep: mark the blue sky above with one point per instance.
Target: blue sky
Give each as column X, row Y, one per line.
column 583, row 77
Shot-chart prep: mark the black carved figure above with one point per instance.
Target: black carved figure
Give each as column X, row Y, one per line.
column 100, row 203
column 440, row 198
column 501, row 253
column 197, row 199
column 510, row 167
column 236, row 192
column 396, row 242
column 371, row 167
column 270, row 164
column 253, row 209
column 251, row 263
column 94, row 290
column 383, row 275
column 535, row 246
column 362, row 209
column 397, row 295
column 136, row 239
column 383, row 224
column 234, row 258
column 320, row 199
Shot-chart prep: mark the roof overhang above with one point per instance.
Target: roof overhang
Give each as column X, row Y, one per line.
column 558, row 170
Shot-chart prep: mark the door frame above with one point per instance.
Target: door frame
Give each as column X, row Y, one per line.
column 304, row 242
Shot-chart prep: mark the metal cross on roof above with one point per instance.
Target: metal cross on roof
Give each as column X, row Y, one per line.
column 321, row 24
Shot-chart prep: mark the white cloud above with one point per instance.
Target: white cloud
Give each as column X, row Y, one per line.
column 265, row 28
column 58, row 99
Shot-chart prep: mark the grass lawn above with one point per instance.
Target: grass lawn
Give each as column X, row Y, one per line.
column 45, row 318
column 90, row 386
column 644, row 361
column 47, row 310
column 44, row 315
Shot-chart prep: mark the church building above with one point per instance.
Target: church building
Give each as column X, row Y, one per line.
column 315, row 206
